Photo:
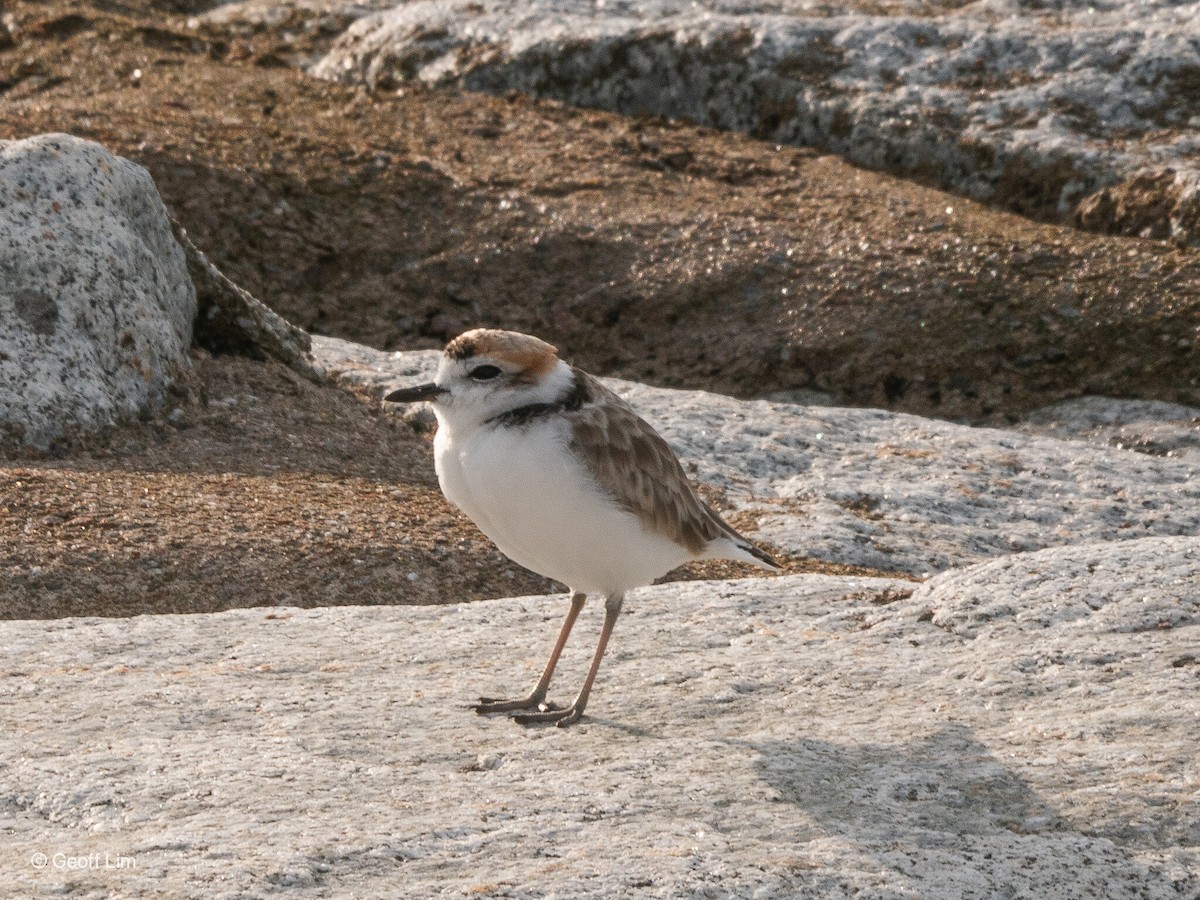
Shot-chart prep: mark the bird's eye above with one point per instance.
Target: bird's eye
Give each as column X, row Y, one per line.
column 485, row 373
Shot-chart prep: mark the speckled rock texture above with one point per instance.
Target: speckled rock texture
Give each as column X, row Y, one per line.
column 96, row 306
column 1080, row 108
column 1150, row 426
column 1117, row 587
column 881, row 489
column 806, row 736
column 327, row 15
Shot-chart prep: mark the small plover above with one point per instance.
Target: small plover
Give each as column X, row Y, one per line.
column 567, row 480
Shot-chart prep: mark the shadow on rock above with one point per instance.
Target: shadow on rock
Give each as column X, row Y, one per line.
column 948, row 782
column 942, row 816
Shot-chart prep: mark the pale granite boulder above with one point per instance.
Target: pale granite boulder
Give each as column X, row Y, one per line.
column 1148, row 426
column 96, row 306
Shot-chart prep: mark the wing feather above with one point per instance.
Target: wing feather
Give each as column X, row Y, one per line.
column 632, row 462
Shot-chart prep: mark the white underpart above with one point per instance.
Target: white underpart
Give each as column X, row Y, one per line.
column 537, row 502
column 536, row 499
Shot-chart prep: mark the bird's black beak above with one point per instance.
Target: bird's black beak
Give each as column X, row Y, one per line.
column 415, row 394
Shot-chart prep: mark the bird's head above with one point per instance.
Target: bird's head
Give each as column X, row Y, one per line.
column 485, row 372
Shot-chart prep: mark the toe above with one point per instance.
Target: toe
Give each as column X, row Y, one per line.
column 560, row 717
column 494, row 705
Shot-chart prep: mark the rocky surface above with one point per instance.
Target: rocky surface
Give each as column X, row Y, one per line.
column 1133, row 586
column 396, row 218
column 804, row 736
column 880, row 489
column 96, row 306
column 1019, row 725
column 1037, row 108
column 1149, row 426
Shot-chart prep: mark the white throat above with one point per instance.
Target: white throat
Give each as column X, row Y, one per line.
column 469, row 406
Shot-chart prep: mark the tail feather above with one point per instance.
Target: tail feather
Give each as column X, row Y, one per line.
column 741, row 549
column 765, row 559
column 732, row 545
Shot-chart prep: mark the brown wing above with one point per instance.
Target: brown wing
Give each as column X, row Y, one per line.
column 637, row 466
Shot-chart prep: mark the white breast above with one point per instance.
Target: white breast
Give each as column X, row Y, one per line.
column 536, row 500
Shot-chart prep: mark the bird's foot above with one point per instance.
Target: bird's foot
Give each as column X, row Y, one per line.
column 493, row 705
column 560, row 717
column 545, row 712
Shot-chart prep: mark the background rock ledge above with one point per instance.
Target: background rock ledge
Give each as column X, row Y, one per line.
column 1086, row 107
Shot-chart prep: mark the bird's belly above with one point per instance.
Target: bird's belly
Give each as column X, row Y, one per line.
column 536, row 500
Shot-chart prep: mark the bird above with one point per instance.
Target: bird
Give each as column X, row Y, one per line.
column 566, row 480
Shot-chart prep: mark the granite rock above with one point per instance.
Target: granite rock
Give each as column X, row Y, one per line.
column 1087, row 109
column 96, row 306
column 1119, row 587
column 1148, row 426
column 803, row 736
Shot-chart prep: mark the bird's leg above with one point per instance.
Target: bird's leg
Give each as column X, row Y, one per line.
column 561, row 717
column 538, row 697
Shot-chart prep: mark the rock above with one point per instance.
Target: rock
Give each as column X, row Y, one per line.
column 874, row 488
column 805, row 736
column 1154, row 203
column 802, row 397
column 323, row 15
column 1148, row 426
column 369, row 371
column 231, row 319
column 96, row 306
column 1083, row 414
column 1132, row 586
column 995, row 99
